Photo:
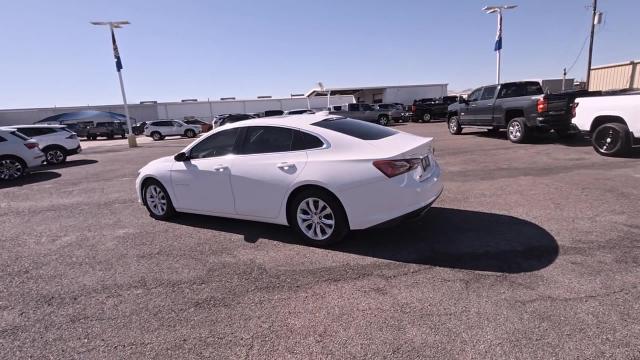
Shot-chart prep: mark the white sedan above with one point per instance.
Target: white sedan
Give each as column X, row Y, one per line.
column 322, row 175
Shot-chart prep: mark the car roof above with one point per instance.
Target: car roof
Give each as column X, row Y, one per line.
column 36, row 126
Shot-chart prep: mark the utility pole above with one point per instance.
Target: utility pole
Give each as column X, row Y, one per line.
column 593, row 28
column 564, row 77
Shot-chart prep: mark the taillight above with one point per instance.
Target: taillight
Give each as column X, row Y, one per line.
column 413, row 108
column 31, row 145
column 542, row 105
column 574, row 106
column 397, row 167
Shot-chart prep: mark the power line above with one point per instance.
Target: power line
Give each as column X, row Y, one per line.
column 584, row 43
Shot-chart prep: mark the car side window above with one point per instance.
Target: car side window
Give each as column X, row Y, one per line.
column 218, row 144
column 489, row 92
column 28, row 132
column 475, row 95
column 2, row 139
column 512, row 90
column 305, row 141
column 175, row 123
column 267, row 139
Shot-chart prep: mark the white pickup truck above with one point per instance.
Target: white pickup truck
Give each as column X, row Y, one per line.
column 613, row 122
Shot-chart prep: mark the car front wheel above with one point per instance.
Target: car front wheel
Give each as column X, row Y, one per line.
column 190, row 133
column 454, row 125
column 383, row 120
column 318, row 218
column 11, row 168
column 157, row 201
column 156, row 136
column 426, row 117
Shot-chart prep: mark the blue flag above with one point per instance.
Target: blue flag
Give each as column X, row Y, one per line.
column 498, row 45
column 116, row 53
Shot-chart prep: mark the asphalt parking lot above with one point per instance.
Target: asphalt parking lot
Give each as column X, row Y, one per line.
column 533, row 251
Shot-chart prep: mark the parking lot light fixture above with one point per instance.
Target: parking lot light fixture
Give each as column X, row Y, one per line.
column 116, row 54
column 498, row 45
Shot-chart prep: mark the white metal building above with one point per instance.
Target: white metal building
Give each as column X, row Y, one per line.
column 404, row 94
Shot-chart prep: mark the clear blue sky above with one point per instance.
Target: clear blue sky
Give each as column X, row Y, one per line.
column 198, row 49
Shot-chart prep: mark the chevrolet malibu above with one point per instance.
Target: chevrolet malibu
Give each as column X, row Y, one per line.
column 322, row 175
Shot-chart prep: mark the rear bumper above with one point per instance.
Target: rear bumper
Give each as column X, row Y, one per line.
column 74, row 151
column 414, row 215
column 554, row 122
column 388, row 200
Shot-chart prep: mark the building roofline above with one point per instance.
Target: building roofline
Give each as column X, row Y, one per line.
column 315, row 90
column 615, row 64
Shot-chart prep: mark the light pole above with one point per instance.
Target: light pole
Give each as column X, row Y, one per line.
column 116, row 54
column 594, row 20
column 498, row 46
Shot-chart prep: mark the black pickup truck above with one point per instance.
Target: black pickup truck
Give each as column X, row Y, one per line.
column 520, row 107
column 425, row 110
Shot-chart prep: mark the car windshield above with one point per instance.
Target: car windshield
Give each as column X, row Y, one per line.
column 356, row 128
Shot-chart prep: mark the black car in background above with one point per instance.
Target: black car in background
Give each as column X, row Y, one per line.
column 425, row 110
column 230, row 118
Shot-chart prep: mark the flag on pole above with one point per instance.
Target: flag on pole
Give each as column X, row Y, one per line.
column 116, row 53
column 498, row 45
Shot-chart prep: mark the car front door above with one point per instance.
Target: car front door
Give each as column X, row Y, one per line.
column 263, row 172
column 176, row 128
column 468, row 113
column 202, row 184
column 484, row 106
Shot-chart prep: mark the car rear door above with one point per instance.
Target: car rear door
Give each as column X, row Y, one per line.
column 264, row 169
column 202, row 184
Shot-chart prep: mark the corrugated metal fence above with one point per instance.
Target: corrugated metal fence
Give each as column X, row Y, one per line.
column 615, row 76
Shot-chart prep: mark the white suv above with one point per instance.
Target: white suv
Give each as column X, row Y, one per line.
column 18, row 153
column 161, row 128
column 56, row 141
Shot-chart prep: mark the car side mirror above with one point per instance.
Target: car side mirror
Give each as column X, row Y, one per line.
column 181, row 157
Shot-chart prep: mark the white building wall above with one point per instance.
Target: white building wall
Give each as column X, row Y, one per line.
column 406, row 95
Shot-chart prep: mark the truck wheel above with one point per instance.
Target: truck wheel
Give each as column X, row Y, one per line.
column 454, row 125
column 383, row 120
column 517, row 131
column 109, row 136
column 426, row 117
column 611, row 139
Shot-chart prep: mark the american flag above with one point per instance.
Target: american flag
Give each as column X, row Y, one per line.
column 116, row 53
column 498, row 45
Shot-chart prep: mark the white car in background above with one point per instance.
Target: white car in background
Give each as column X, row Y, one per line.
column 18, row 153
column 158, row 130
column 613, row 122
column 56, row 141
column 322, row 175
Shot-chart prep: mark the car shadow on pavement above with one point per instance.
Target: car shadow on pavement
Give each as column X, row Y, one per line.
column 444, row 237
column 32, row 178
column 71, row 163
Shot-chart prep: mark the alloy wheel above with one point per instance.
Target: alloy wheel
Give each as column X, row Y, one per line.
column 515, row 130
column 453, row 125
column 607, row 140
column 156, row 199
column 10, row 169
column 315, row 218
column 426, row 117
column 54, row 156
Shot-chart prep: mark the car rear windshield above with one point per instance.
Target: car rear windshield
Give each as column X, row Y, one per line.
column 356, row 128
column 19, row 135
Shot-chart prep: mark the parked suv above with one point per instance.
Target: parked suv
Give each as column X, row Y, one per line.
column 108, row 129
column 18, row 153
column 394, row 111
column 56, row 141
column 158, row 130
column 520, row 107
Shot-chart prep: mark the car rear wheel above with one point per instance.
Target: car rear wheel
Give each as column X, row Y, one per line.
column 426, row 117
column 454, row 125
column 611, row 139
column 11, row 168
column 190, row 133
column 55, row 156
column 517, row 131
column 383, row 120
column 123, row 136
column 156, row 136
column 318, row 218
column 157, row 201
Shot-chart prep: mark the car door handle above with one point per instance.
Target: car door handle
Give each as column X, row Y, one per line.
column 285, row 165
column 220, row 168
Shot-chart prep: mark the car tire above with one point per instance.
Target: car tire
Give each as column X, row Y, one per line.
column 190, row 133
column 517, row 131
column 156, row 136
column 318, row 218
column 110, row 136
column 12, row 168
column 611, row 139
column 426, row 117
column 157, row 201
column 123, row 136
column 454, row 125
column 55, row 155
column 383, row 120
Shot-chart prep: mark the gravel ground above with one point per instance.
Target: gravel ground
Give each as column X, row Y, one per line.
column 533, row 251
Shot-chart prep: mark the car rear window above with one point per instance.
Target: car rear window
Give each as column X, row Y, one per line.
column 18, row 135
column 356, row 128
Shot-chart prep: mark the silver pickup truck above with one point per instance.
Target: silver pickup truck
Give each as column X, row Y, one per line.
column 366, row 112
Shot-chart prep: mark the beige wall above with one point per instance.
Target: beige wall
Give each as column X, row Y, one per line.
column 615, row 76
